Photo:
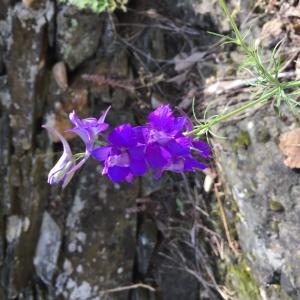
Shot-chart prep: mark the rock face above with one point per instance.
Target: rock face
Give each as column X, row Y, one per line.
column 25, row 50
column 99, row 243
column 54, row 245
column 48, row 248
column 77, row 243
column 267, row 195
column 94, row 240
column 78, row 35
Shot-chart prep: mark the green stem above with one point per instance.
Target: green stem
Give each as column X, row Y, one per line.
column 78, row 156
column 224, row 117
column 233, row 24
column 249, row 50
column 292, row 84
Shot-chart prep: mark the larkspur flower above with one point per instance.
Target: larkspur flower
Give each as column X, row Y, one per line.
column 63, row 170
column 124, row 155
column 168, row 149
column 160, row 145
column 87, row 129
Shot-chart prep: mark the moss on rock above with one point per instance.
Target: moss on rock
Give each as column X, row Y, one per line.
column 242, row 141
column 240, row 279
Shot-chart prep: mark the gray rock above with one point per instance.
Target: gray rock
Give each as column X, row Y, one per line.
column 146, row 242
column 23, row 198
column 260, row 185
column 78, row 35
column 47, row 251
column 5, row 98
column 99, row 246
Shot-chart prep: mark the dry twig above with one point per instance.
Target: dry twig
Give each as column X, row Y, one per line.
column 231, row 243
column 128, row 287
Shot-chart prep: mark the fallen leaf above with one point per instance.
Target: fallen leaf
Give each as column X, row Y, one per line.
column 289, row 144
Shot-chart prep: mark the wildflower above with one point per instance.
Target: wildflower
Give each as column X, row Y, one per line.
column 124, row 155
column 63, row 170
column 160, row 145
column 87, row 129
column 168, row 148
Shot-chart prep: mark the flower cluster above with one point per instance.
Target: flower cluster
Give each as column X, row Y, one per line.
column 160, row 145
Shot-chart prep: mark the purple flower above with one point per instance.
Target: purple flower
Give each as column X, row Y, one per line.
column 124, row 155
column 163, row 120
column 63, row 170
column 168, row 149
column 160, row 145
column 87, row 129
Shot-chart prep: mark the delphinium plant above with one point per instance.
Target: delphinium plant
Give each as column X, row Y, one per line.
column 129, row 151
column 168, row 142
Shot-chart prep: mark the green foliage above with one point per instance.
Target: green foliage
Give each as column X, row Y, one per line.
column 99, row 6
column 269, row 87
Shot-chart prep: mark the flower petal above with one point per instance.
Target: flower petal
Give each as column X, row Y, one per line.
column 75, row 120
column 138, row 167
column 84, row 134
column 101, row 127
column 103, row 116
column 141, row 134
column 122, row 136
column 66, row 145
column 177, row 165
column 65, row 168
column 137, row 152
column 178, row 147
column 183, row 123
column 203, row 148
column 191, row 163
column 162, row 118
column 129, row 178
column 117, row 174
column 121, row 160
column 157, row 156
column 101, row 153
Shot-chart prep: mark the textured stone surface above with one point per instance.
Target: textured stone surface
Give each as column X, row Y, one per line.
column 99, row 243
column 78, row 35
column 94, row 235
column 267, row 195
column 48, row 248
column 24, row 34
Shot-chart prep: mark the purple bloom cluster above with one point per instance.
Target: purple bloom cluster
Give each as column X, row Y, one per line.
column 159, row 146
